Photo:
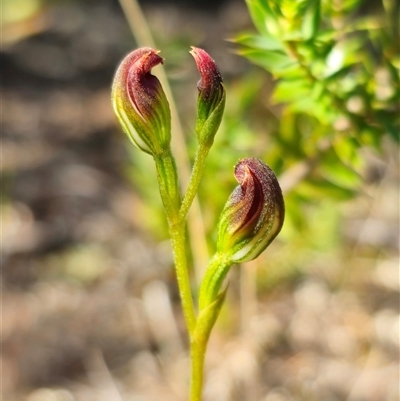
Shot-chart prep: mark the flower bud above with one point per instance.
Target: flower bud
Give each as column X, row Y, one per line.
column 253, row 214
column 140, row 103
column 211, row 99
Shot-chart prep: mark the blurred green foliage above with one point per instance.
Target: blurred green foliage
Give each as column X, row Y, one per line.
column 336, row 70
column 335, row 62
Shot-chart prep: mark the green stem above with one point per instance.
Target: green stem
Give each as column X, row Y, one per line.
column 197, row 354
column 210, row 303
column 169, row 190
column 178, row 240
column 168, row 183
column 197, row 173
column 216, row 271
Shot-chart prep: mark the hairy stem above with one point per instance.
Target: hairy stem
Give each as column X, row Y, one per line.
column 216, row 272
column 168, row 183
column 169, row 190
column 197, row 354
column 197, row 173
column 178, row 240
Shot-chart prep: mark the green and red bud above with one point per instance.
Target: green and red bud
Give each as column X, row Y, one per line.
column 140, row 103
column 254, row 213
column 211, row 99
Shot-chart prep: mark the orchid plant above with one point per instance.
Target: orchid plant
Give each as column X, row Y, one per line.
column 252, row 216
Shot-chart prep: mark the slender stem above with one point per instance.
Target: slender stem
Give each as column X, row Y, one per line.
column 197, row 353
column 216, row 272
column 197, row 173
column 168, row 183
column 178, row 240
column 176, row 214
column 210, row 286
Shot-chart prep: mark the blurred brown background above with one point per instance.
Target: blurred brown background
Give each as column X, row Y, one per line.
column 90, row 306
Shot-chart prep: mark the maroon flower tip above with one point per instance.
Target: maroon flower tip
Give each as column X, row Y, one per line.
column 253, row 214
column 251, row 194
column 139, row 101
column 210, row 81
